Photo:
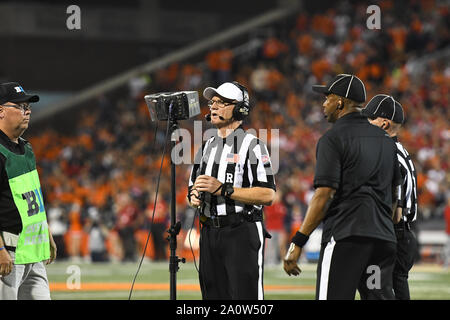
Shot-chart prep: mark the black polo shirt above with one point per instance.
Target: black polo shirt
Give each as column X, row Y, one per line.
column 9, row 215
column 359, row 160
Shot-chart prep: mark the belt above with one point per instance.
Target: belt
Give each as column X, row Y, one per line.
column 229, row 220
column 10, row 240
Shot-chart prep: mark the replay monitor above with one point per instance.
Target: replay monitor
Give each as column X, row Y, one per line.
column 185, row 105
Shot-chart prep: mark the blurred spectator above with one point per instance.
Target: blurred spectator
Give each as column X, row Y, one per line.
column 57, row 222
column 259, row 79
column 158, row 227
column 127, row 214
column 297, row 219
column 97, row 236
column 274, row 217
column 74, row 236
column 274, row 50
column 220, row 63
column 447, row 231
column 97, row 247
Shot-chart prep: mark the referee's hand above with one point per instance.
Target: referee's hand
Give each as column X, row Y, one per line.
column 195, row 198
column 209, row 184
column 290, row 261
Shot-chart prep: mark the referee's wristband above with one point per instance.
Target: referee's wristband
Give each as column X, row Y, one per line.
column 1, row 248
column 300, row 239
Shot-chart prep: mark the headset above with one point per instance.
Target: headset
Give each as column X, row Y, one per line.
column 242, row 108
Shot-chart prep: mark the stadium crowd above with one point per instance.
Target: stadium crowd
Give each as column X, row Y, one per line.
column 100, row 182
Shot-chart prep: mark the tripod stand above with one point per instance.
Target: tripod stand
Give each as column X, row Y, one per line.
column 175, row 226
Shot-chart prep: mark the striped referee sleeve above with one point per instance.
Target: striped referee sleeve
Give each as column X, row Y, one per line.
column 408, row 188
column 260, row 166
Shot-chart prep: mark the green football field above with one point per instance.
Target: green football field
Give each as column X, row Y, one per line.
column 85, row 281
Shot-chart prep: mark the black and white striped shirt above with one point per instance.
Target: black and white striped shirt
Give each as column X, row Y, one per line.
column 408, row 189
column 241, row 159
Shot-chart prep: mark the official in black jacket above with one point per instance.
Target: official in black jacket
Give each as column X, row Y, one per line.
column 355, row 179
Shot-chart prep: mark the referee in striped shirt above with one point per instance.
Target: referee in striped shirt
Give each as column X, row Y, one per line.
column 230, row 182
column 386, row 113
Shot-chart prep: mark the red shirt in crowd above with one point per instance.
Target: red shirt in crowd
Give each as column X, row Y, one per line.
column 161, row 212
column 447, row 219
column 274, row 216
column 127, row 216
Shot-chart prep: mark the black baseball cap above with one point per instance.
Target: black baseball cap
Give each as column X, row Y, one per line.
column 344, row 85
column 13, row 92
column 384, row 106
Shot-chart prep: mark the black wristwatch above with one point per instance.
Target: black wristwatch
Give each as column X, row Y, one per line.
column 227, row 190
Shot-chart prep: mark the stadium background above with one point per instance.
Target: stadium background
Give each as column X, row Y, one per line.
column 94, row 140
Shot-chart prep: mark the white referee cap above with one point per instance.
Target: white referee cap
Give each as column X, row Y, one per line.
column 227, row 90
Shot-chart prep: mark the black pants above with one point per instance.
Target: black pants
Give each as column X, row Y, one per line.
column 355, row 263
column 406, row 250
column 126, row 235
column 231, row 262
column 159, row 242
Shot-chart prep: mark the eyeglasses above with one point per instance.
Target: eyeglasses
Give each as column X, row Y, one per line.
column 24, row 107
column 220, row 103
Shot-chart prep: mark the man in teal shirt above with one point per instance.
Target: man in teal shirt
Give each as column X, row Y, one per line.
column 25, row 241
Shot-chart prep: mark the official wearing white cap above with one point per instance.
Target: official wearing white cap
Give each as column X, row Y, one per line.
column 230, row 182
